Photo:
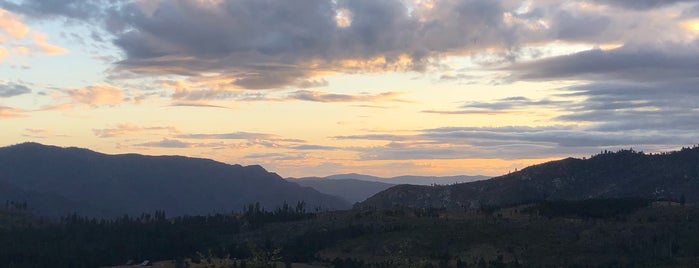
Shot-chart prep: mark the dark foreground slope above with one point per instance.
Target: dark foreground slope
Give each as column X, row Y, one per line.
column 630, row 233
column 623, row 174
column 55, row 181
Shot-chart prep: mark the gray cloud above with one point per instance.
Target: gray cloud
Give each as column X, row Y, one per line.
column 642, row 4
column 77, row 9
column 633, row 88
column 12, row 89
column 271, row 44
column 167, row 143
column 664, row 106
column 636, row 63
column 313, row 147
column 517, row 142
column 275, row 44
column 692, row 12
column 316, row 96
column 515, row 104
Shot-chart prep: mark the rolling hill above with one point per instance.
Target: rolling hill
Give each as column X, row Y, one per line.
column 56, row 181
column 622, row 174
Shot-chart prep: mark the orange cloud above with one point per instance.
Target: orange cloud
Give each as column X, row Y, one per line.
column 12, row 26
column 13, row 32
column 3, row 53
column 41, row 41
column 97, row 95
column 127, row 129
column 10, row 112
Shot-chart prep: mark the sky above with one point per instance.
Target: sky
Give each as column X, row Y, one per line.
column 381, row 87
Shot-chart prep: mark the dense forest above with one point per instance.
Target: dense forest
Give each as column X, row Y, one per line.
column 590, row 233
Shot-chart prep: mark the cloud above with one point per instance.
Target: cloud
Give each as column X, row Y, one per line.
column 167, row 143
column 230, row 136
column 665, row 61
column 253, row 44
column 193, row 91
column 316, row 96
column 97, row 95
column 79, row 9
column 642, row 4
column 313, row 147
column 648, row 88
column 274, row 44
column 198, row 91
column 41, row 133
column 124, row 129
column 13, row 33
column 379, row 137
column 201, row 105
column 12, row 26
column 509, row 105
column 516, row 142
column 276, row 156
column 8, row 112
column 662, row 106
column 41, row 41
column 13, row 89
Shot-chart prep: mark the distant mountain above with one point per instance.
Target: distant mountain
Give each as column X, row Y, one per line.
column 351, row 190
column 609, row 175
column 357, row 187
column 55, row 181
column 415, row 180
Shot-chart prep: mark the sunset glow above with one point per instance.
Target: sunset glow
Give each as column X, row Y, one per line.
column 314, row 88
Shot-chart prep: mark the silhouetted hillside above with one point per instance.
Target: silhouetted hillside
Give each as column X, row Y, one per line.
column 623, row 174
column 350, row 190
column 56, row 181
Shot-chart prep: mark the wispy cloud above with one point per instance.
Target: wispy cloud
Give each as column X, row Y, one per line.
column 124, row 129
column 200, row 105
column 316, row 96
column 314, row 147
column 509, row 105
column 11, row 112
column 230, row 136
column 41, row 133
column 167, row 143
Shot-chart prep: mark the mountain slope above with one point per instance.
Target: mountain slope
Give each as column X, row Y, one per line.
column 132, row 184
column 351, row 190
column 610, row 175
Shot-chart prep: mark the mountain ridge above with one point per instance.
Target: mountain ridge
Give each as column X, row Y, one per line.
column 621, row 174
column 134, row 183
column 354, row 187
